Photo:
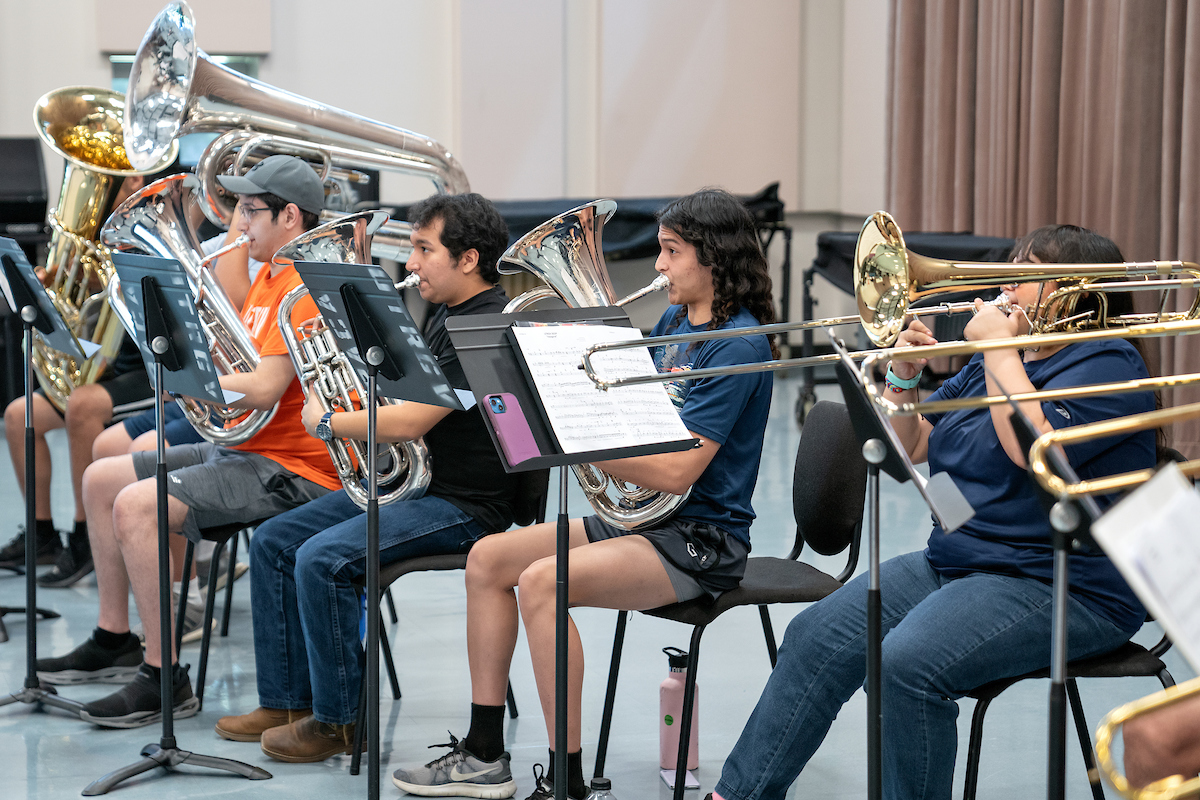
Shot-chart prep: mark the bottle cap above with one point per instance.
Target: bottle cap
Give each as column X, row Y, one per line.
column 601, row 784
column 676, row 658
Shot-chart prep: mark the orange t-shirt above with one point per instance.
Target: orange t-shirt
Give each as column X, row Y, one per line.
column 284, row 439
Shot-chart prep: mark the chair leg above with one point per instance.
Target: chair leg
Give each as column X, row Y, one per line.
column 233, row 549
column 610, row 695
column 971, row 782
column 512, row 703
column 391, row 605
column 1085, row 739
column 189, row 554
column 769, row 634
column 1165, row 678
column 360, row 721
column 210, row 602
column 386, row 646
column 685, row 716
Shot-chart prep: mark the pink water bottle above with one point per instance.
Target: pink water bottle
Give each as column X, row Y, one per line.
column 670, row 709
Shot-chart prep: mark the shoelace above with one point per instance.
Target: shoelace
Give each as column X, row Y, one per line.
column 542, row 786
column 456, row 753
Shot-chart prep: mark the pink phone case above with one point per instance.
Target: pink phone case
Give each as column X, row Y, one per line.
column 512, row 429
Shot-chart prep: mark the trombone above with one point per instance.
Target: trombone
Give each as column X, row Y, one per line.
column 1172, row 788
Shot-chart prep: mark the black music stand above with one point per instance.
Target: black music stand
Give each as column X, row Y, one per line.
column 883, row 451
column 364, row 311
column 493, row 365
column 25, row 295
column 169, row 334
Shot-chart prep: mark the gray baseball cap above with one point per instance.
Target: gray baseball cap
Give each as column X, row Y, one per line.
column 286, row 177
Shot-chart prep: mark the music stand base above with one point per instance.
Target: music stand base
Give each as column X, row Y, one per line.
column 40, row 696
column 154, row 755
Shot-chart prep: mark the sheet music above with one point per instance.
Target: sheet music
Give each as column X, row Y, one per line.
column 1153, row 536
column 582, row 416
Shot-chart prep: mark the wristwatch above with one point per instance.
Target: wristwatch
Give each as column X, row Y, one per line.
column 323, row 430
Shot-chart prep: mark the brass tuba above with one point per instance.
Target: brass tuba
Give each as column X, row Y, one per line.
column 155, row 220
column 175, row 89
column 83, row 125
column 565, row 252
column 326, row 373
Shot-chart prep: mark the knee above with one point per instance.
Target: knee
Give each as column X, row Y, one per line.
column 483, row 563
column 134, row 508
column 312, row 571
column 14, row 415
column 90, row 405
column 537, row 586
column 100, row 482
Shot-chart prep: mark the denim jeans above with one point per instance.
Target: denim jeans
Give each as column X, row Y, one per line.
column 942, row 638
column 305, row 608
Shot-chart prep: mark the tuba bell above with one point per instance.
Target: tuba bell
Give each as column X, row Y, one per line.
column 176, row 89
column 566, row 253
column 83, row 125
column 155, row 220
column 327, row 374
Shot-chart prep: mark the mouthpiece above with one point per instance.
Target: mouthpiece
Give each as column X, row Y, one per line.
column 236, row 244
column 408, row 283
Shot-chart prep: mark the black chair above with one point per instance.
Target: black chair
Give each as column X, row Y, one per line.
column 531, row 509
column 828, row 494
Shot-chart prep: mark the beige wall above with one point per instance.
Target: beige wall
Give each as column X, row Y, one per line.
column 544, row 98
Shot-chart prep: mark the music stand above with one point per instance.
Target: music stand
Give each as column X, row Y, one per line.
column 169, row 335
column 882, row 450
column 25, row 296
column 366, row 315
column 493, row 365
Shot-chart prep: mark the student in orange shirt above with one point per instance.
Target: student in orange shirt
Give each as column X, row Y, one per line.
column 277, row 469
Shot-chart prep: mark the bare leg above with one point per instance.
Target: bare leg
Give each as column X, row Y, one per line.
column 623, row 573
column 493, row 568
column 88, row 411
column 102, row 482
column 114, row 441
column 45, row 418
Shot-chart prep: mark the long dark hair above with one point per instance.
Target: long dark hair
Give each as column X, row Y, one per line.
column 718, row 225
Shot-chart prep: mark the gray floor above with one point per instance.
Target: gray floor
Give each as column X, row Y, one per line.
column 50, row 755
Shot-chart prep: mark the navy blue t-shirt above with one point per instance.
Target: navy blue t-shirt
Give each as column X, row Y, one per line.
column 1010, row 532
column 729, row 409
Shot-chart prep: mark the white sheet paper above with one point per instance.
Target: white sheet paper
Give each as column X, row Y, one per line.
column 584, row 417
column 1153, row 536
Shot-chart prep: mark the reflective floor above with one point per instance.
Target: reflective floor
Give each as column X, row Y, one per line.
column 48, row 754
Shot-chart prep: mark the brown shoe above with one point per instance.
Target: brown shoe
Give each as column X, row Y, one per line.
column 308, row 740
column 250, row 727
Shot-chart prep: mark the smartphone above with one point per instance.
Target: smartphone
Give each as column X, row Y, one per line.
column 512, row 429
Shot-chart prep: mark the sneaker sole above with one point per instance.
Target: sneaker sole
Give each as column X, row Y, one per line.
column 490, row 791
column 71, row 677
column 197, row 634
column 140, row 719
column 47, row 582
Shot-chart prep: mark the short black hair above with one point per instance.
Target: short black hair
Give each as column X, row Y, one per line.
column 276, row 203
column 469, row 222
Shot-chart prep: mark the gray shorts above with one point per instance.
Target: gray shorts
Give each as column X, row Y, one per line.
column 221, row 486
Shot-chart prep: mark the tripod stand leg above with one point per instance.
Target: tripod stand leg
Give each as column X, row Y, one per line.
column 154, row 755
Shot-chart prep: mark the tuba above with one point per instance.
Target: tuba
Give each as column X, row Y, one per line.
column 155, row 220
column 175, row 89
column 83, row 125
column 327, row 374
column 565, row 252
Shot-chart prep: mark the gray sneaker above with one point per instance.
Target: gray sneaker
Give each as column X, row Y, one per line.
column 459, row 774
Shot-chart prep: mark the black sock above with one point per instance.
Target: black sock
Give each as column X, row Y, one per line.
column 109, row 640
column 485, row 739
column 45, row 529
column 80, row 530
column 575, row 784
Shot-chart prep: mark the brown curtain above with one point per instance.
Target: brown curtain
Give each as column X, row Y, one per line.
column 1005, row 115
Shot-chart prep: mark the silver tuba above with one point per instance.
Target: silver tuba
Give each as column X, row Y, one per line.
column 175, row 89
column 155, row 220
column 326, row 373
column 565, row 252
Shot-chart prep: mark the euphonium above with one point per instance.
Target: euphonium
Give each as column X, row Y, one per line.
column 175, row 89
column 155, row 220
column 83, row 125
column 327, row 375
column 565, row 252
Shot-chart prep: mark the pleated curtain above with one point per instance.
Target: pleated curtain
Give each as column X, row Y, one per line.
column 1005, row 115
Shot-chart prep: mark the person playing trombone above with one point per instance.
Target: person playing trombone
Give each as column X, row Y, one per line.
column 975, row 605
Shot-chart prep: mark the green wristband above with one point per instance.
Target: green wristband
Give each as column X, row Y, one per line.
column 898, row 383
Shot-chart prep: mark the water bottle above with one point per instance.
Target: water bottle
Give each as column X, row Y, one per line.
column 670, row 709
column 601, row 789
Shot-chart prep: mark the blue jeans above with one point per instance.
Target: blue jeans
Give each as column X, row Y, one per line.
column 305, row 607
column 942, row 639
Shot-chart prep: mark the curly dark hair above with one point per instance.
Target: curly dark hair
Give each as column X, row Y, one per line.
column 469, row 222
column 722, row 230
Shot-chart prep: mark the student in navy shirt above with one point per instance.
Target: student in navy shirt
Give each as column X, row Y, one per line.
column 975, row 605
column 719, row 279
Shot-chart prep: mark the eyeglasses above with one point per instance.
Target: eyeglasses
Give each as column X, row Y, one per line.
column 249, row 211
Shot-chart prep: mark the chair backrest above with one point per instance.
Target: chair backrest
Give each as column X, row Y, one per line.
column 530, row 503
column 829, row 486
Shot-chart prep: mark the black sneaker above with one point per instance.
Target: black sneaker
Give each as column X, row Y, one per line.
column 12, row 555
column 74, row 562
column 137, row 703
column 543, row 789
column 91, row 663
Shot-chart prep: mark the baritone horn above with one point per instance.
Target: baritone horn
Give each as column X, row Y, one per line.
column 566, row 253
column 326, row 373
column 176, row 89
column 83, row 125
